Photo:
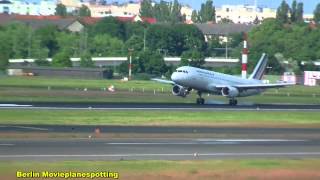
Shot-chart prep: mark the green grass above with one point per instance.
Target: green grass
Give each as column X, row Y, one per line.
column 35, row 89
column 43, row 82
column 140, row 168
column 96, row 117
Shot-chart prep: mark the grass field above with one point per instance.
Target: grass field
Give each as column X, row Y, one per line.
column 64, row 83
column 40, row 89
column 96, row 117
column 180, row 170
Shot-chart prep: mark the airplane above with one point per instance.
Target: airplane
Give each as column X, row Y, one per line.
column 187, row 78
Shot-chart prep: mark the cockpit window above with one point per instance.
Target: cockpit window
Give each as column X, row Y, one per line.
column 183, row 71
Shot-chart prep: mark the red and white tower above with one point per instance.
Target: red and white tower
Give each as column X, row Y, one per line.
column 245, row 53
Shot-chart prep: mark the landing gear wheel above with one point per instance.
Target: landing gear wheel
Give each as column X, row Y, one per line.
column 200, row 101
column 233, row 102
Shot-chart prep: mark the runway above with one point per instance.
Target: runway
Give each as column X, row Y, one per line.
column 147, row 130
column 158, row 106
column 157, row 149
column 170, row 144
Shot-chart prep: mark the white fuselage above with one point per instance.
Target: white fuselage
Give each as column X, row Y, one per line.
column 207, row 81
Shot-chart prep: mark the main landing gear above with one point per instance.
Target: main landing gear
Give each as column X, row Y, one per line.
column 200, row 100
column 233, row 102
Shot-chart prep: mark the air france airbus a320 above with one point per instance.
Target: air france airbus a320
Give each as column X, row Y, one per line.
column 188, row 78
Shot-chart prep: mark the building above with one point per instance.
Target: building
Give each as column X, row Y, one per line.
column 137, row 19
column 244, row 14
column 81, row 73
column 248, row 14
column 26, row 8
column 70, row 23
column 5, row 7
column 116, row 61
column 187, row 11
column 311, row 78
column 223, row 30
column 127, row 9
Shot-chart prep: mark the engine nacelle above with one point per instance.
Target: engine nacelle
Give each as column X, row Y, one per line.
column 230, row 92
column 180, row 91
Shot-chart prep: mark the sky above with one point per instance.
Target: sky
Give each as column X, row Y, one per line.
column 309, row 5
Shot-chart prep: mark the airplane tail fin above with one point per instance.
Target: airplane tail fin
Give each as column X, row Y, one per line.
column 260, row 68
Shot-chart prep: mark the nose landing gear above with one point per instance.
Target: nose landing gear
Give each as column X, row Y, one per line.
column 200, row 100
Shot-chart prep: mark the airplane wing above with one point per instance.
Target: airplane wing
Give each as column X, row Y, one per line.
column 164, row 81
column 258, row 86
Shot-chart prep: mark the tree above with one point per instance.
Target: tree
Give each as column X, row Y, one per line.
column 316, row 14
column 5, row 50
column 48, row 39
column 86, row 61
column 146, row 9
column 192, row 58
column 62, row 59
column 168, row 12
column 61, row 10
column 69, row 42
column 299, row 15
column 162, row 11
column 175, row 14
column 135, row 42
column 194, row 16
column 293, row 11
column 84, row 11
column 282, row 12
column 207, row 12
column 153, row 63
column 105, row 45
column 175, row 39
column 110, row 26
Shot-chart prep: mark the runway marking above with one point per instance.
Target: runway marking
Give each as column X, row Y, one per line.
column 166, row 143
column 14, row 105
column 251, row 140
column 28, row 127
column 6, row 144
column 206, row 141
column 164, row 109
column 163, row 155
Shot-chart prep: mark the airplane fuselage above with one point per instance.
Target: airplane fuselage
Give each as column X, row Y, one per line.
column 207, row 81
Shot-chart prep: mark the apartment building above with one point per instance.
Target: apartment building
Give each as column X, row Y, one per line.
column 44, row 8
column 244, row 14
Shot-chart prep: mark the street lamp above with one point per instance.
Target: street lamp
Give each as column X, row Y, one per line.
column 130, row 62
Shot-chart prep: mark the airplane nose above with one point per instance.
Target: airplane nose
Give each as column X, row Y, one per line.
column 174, row 77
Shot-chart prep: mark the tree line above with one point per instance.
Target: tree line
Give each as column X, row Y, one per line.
column 108, row 37
column 284, row 40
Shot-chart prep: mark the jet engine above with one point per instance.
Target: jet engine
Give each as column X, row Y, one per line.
column 180, row 91
column 230, row 92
